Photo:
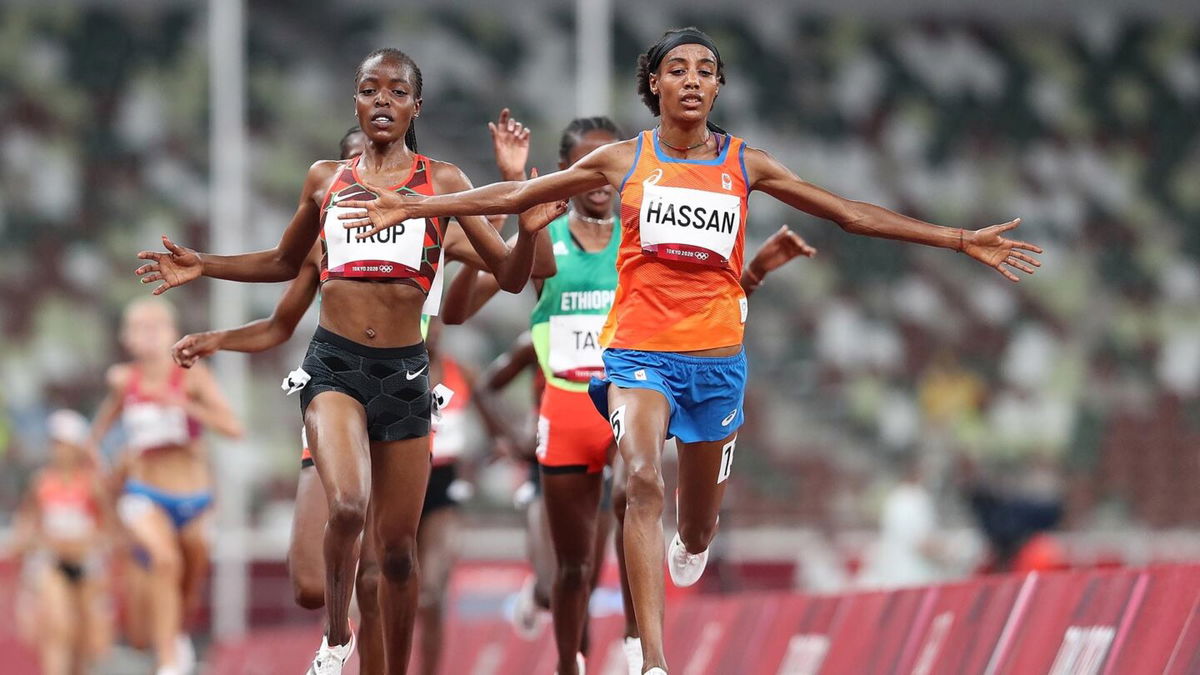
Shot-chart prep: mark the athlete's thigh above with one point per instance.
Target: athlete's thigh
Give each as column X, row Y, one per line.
column 639, row 419
column 152, row 529
column 53, row 594
column 572, row 507
column 306, row 552
column 703, row 474
column 400, row 475
column 336, row 425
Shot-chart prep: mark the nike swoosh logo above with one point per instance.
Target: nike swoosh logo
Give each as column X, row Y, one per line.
column 413, row 376
column 729, row 420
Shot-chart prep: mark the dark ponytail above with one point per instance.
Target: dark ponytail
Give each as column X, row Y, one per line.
column 410, row 136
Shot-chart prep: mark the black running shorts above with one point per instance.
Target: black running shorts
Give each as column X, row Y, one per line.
column 392, row 384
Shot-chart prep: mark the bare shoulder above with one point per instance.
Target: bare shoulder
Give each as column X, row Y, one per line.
column 118, row 376
column 320, row 177
column 447, row 177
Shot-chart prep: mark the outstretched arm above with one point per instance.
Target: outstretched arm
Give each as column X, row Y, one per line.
column 606, row 165
column 262, row 334
column 512, row 266
column 775, row 252
column 178, row 265
column 985, row 245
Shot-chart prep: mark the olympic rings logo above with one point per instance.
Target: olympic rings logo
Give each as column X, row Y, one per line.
column 386, row 269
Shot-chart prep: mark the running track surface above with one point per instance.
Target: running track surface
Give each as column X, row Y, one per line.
column 1087, row 622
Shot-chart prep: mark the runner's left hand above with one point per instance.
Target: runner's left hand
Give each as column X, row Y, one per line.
column 388, row 209
column 993, row 250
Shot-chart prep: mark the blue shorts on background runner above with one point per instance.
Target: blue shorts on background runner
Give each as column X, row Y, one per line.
column 705, row 392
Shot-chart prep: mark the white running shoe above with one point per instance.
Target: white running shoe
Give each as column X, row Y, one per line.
column 330, row 660
column 185, row 654
column 633, row 654
column 685, row 567
column 528, row 619
column 656, row 671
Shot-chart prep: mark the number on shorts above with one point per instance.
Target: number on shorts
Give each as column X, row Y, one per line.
column 617, row 420
column 726, row 460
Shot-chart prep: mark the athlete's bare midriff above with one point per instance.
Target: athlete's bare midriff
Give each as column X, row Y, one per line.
column 715, row 351
column 180, row 468
column 372, row 313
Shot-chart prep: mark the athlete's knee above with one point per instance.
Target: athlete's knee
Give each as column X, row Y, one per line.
column 308, row 586
column 644, row 489
column 348, row 513
column 432, row 597
column 574, row 574
column 398, row 559
column 167, row 562
column 366, row 584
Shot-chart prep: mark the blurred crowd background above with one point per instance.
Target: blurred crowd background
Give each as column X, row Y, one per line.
column 888, row 381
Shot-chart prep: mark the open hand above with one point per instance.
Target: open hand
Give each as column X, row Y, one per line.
column 990, row 248
column 388, row 209
column 510, row 142
column 193, row 347
column 175, row 267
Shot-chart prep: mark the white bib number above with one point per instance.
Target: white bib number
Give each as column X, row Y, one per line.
column 151, row 425
column 687, row 224
column 394, row 252
column 66, row 521
column 575, row 351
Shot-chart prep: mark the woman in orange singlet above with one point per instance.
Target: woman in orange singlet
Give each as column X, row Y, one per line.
column 674, row 360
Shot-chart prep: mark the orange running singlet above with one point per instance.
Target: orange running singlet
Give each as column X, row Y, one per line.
column 680, row 263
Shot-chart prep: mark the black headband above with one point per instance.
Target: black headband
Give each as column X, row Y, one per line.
column 685, row 36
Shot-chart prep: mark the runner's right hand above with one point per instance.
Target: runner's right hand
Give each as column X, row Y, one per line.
column 510, row 143
column 175, row 267
column 195, row 346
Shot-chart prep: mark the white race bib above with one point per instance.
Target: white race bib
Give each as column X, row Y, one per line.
column 575, row 351
column 687, row 224
column 66, row 521
column 433, row 301
column 395, row 252
column 152, row 425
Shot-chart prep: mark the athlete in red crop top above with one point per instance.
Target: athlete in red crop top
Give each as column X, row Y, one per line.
column 162, row 476
column 367, row 405
column 682, row 235
column 305, row 556
column 63, row 525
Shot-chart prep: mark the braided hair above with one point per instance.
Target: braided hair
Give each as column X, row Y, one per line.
column 580, row 126
column 391, row 53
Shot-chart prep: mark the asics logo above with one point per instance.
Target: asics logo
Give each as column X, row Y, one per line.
column 412, row 376
column 729, row 420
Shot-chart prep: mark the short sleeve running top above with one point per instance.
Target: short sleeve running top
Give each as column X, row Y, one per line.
column 408, row 253
column 682, row 247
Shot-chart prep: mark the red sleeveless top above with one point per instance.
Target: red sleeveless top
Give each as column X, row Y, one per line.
column 408, row 253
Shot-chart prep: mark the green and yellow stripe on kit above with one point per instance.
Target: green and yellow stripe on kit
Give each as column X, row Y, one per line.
column 570, row 313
